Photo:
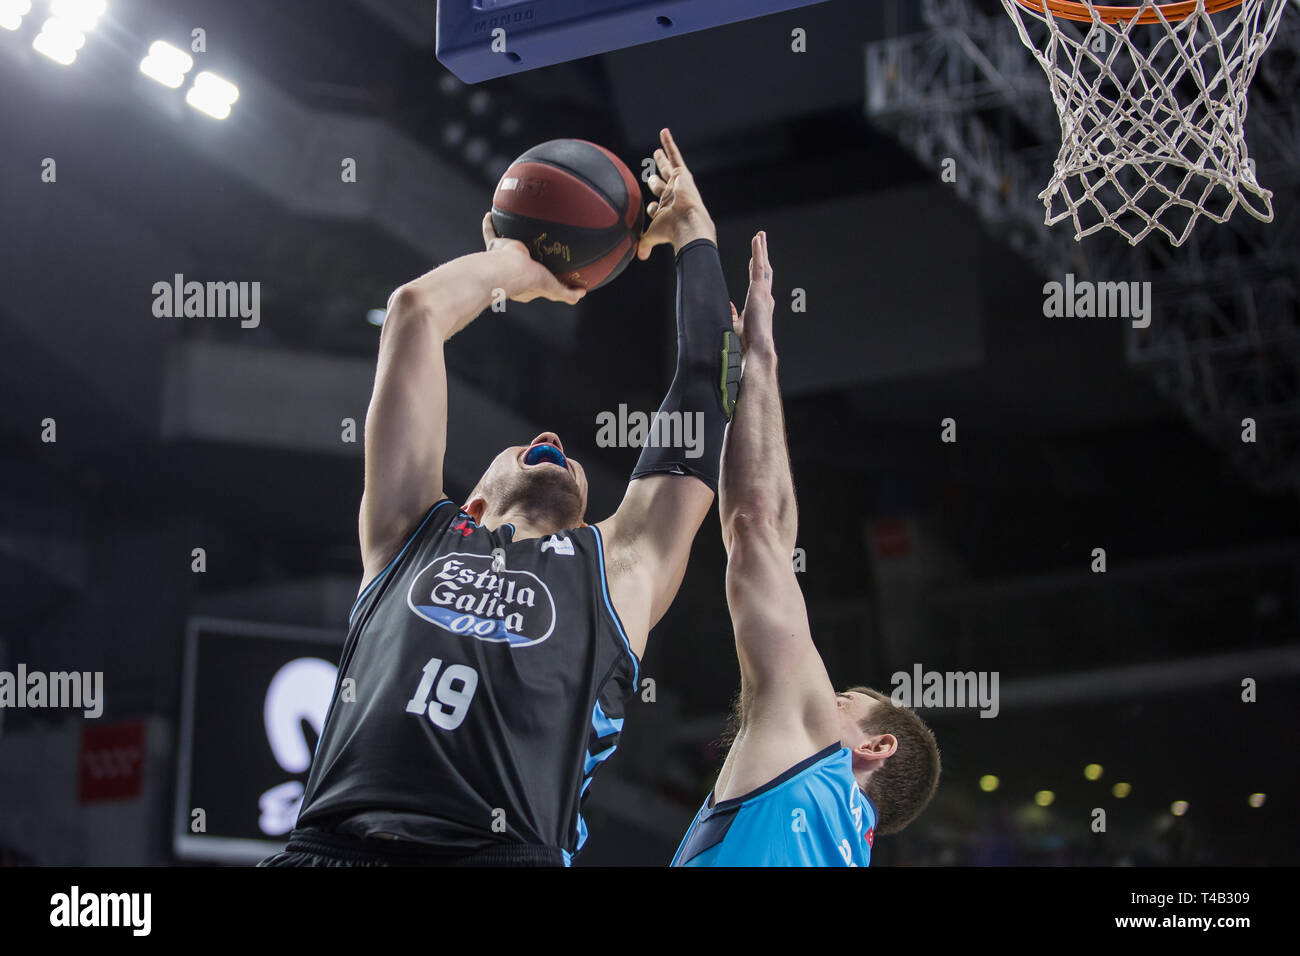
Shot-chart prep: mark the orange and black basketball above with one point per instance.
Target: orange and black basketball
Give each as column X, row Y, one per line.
column 575, row 205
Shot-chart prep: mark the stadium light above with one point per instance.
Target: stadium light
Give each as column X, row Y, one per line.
column 1178, row 808
column 1256, row 800
column 376, row 316
column 988, row 783
column 1044, row 798
column 212, row 95
column 12, row 13
column 59, row 40
column 81, row 15
column 1121, row 790
column 1092, row 772
column 166, row 64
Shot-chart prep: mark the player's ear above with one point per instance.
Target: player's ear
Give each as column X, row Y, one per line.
column 877, row 746
column 476, row 508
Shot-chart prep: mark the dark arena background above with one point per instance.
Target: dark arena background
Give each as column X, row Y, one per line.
column 1089, row 521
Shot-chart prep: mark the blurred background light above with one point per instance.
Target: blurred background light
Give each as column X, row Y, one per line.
column 212, row 94
column 82, row 15
column 12, row 13
column 59, row 40
column 166, row 64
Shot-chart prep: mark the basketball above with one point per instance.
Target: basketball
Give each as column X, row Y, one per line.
column 575, row 205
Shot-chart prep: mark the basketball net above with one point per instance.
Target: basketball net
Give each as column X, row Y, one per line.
column 1152, row 104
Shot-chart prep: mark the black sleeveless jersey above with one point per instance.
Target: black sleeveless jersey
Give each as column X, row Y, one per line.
column 482, row 684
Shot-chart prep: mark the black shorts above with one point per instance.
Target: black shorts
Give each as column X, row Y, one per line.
column 314, row 847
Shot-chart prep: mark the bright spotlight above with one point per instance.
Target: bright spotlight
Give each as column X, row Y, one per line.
column 1178, row 807
column 1256, row 800
column 1044, row 798
column 1121, row 790
column 59, row 54
column 78, row 14
column 166, row 64
column 989, row 782
column 212, row 95
column 64, row 33
column 12, row 13
column 376, row 316
column 59, row 40
column 1092, row 771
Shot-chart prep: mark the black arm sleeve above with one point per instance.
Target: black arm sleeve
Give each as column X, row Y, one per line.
column 686, row 438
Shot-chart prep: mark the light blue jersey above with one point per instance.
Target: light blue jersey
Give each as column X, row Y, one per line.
column 814, row 814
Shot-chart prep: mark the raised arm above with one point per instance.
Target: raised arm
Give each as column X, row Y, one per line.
column 406, row 423
column 789, row 706
column 648, row 539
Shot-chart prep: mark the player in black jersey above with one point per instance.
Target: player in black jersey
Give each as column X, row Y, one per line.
column 493, row 643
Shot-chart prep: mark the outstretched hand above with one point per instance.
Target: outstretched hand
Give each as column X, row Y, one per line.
column 754, row 324
column 677, row 215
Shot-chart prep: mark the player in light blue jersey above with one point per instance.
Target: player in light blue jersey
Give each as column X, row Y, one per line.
column 812, row 776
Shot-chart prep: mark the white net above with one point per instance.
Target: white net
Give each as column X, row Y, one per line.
column 1153, row 114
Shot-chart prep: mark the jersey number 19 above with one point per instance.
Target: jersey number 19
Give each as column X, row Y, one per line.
column 451, row 702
